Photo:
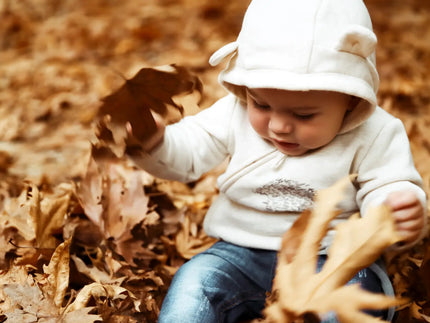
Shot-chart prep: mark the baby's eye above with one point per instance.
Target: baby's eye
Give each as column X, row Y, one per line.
column 262, row 106
column 307, row 116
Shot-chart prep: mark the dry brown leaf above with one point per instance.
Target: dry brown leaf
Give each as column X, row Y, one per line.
column 358, row 243
column 150, row 89
column 28, row 302
column 189, row 242
column 113, row 198
column 36, row 217
column 97, row 275
column 97, row 291
column 57, row 273
column 16, row 275
column 22, row 212
column 81, row 315
column 53, row 212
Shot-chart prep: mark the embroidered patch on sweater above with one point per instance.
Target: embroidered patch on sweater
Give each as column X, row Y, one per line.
column 284, row 195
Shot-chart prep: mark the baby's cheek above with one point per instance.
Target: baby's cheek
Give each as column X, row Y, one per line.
column 315, row 137
column 259, row 124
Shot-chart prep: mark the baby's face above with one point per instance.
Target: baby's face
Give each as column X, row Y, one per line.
column 296, row 122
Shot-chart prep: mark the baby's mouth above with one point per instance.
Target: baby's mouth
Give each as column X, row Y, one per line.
column 285, row 144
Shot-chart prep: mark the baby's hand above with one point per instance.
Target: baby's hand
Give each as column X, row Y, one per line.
column 148, row 143
column 408, row 214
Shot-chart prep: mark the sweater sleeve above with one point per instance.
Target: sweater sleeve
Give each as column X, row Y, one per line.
column 193, row 146
column 388, row 167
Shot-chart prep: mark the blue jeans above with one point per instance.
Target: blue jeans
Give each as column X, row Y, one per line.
column 228, row 283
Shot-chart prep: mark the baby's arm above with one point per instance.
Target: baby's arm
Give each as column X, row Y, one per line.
column 408, row 214
column 187, row 149
column 387, row 175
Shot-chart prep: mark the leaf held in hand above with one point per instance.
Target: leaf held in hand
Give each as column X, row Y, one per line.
column 358, row 242
column 150, row 89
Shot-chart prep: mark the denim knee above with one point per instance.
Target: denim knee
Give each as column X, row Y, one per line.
column 213, row 287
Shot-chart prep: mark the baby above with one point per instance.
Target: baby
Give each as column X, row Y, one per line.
column 301, row 113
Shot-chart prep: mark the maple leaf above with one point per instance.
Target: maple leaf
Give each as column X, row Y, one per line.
column 37, row 216
column 29, row 303
column 150, row 89
column 358, row 242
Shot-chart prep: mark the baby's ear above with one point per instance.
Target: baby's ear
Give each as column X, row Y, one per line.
column 357, row 40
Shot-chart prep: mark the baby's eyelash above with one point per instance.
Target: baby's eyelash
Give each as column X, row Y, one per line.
column 261, row 106
column 304, row 116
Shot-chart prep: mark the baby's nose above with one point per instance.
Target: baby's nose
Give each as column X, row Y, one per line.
column 281, row 124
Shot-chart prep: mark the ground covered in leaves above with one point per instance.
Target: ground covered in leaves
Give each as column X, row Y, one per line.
column 80, row 243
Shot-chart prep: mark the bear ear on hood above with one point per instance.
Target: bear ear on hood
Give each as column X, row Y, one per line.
column 222, row 53
column 357, row 40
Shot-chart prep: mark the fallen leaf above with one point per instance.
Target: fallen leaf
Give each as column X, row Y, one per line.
column 188, row 243
column 97, row 291
column 113, row 198
column 28, row 301
column 58, row 273
column 52, row 215
column 81, row 315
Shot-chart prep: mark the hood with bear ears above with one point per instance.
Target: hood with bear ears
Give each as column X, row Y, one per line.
column 305, row 45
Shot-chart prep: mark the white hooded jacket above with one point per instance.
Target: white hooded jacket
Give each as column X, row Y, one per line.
column 291, row 45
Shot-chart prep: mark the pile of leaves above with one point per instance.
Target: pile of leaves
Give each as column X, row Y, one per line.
column 85, row 236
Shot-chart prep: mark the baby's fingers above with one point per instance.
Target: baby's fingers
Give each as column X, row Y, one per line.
column 408, row 234
column 401, row 199
column 414, row 224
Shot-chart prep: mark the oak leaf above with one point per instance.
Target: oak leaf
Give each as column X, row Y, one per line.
column 358, row 242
